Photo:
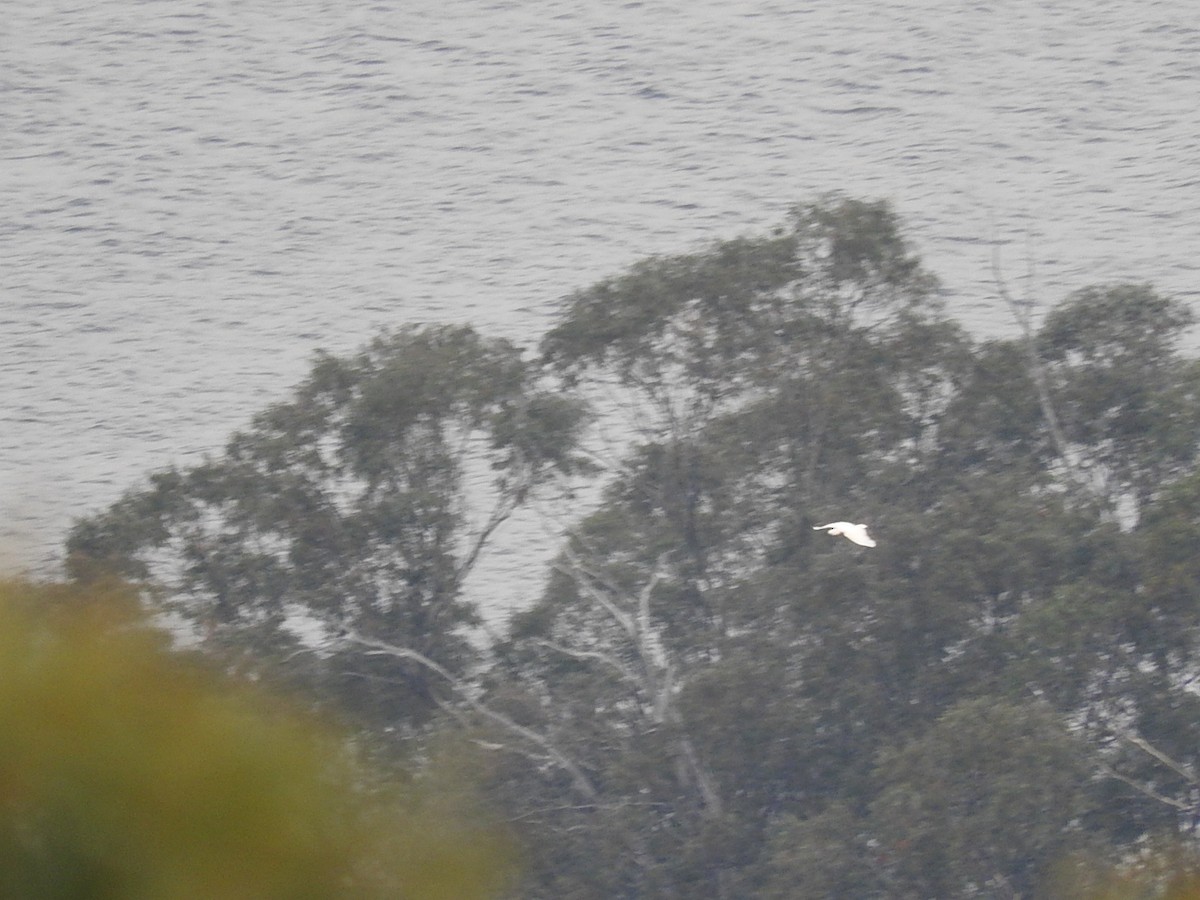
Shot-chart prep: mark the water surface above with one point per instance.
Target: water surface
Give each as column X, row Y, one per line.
column 197, row 193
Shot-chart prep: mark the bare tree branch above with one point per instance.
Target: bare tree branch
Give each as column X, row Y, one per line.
column 1022, row 315
column 583, row 578
column 1143, row 789
column 655, row 679
column 607, row 658
column 582, row 783
column 1178, row 768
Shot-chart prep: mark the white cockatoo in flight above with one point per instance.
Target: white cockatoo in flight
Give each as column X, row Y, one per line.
column 856, row 533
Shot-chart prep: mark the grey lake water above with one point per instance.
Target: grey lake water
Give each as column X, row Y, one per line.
column 196, row 194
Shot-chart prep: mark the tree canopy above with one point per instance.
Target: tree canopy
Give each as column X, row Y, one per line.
column 703, row 696
column 348, row 509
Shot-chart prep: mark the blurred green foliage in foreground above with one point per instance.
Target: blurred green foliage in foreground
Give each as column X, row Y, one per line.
column 125, row 773
column 1166, row 868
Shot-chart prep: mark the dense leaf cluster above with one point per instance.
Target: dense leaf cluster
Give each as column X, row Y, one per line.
column 706, row 698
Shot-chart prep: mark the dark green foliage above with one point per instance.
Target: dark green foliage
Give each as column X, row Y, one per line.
column 810, row 375
column 1126, row 326
column 708, row 698
column 348, row 504
column 975, row 805
column 1125, row 396
column 993, row 422
column 827, row 856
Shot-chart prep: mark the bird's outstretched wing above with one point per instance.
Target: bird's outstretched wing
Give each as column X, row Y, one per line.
column 853, row 532
column 859, row 535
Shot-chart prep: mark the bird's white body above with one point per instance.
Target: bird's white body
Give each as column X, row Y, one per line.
column 856, row 533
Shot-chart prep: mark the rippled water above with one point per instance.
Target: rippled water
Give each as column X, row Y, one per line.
column 197, row 193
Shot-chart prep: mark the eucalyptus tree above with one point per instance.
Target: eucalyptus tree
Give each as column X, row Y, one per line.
column 1116, row 649
column 705, row 698
column 1113, row 644
column 782, row 373
column 357, row 507
column 1128, row 400
column 774, row 377
column 725, row 683
column 593, row 669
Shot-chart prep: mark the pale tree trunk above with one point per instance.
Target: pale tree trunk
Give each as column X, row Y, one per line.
column 653, row 675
